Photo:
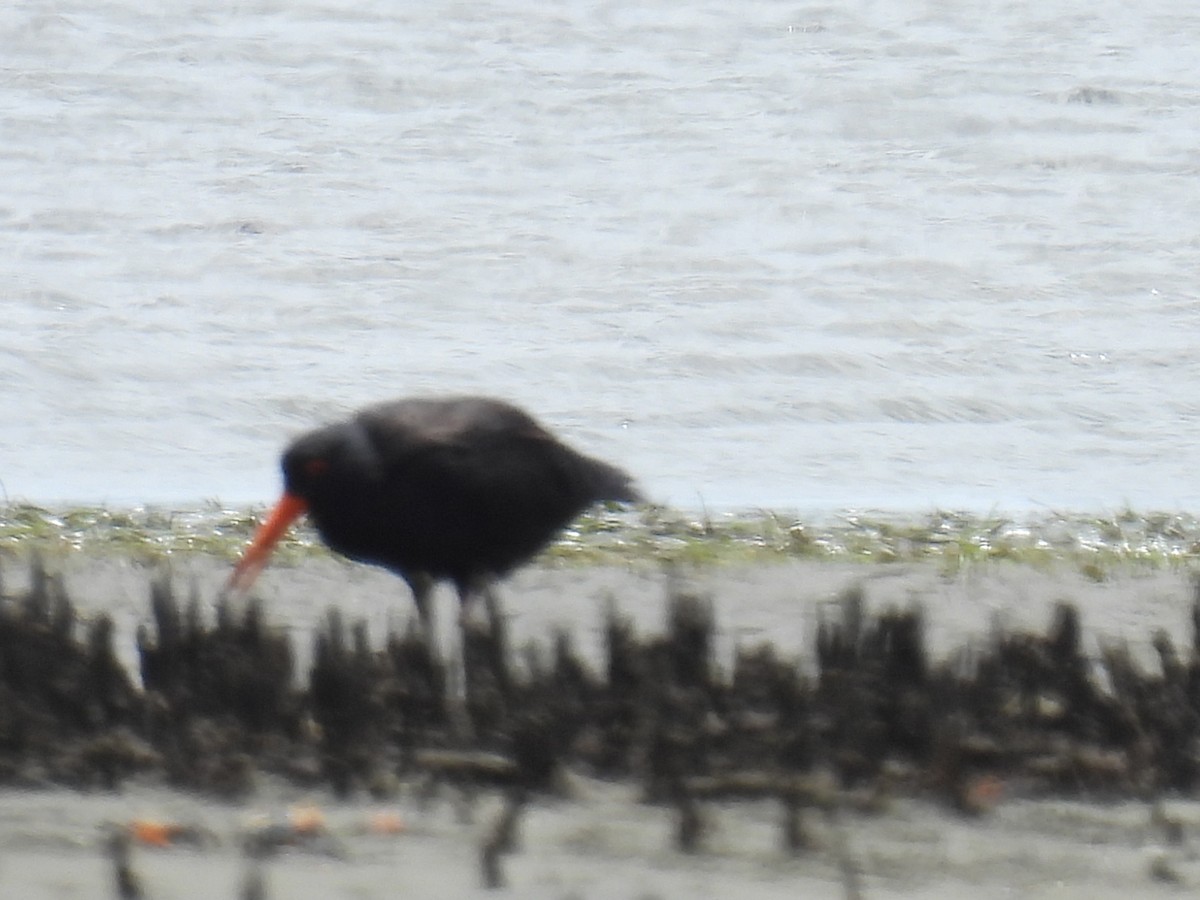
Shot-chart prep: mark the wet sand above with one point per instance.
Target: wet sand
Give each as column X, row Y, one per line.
column 598, row 840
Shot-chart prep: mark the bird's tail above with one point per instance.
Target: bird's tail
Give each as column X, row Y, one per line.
column 607, row 482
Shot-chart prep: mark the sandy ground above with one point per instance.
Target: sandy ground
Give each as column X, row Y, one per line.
column 599, row 842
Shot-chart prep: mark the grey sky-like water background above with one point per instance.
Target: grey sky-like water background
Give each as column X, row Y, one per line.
column 762, row 254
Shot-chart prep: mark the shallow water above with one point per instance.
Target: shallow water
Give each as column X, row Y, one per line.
column 808, row 256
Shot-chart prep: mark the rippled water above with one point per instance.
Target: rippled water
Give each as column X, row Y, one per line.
column 788, row 255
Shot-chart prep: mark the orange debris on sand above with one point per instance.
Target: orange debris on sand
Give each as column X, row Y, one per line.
column 982, row 794
column 157, row 833
column 151, row 832
column 386, row 822
column 306, row 819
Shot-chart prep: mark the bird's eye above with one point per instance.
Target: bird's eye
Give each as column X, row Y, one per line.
column 316, row 467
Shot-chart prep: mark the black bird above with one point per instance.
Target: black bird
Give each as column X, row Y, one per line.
column 463, row 489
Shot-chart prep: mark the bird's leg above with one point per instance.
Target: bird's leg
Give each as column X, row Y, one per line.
column 449, row 677
column 478, row 587
column 421, row 584
column 496, row 628
column 494, row 613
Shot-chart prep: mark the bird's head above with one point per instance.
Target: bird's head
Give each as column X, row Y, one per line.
column 329, row 462
column 324, row 464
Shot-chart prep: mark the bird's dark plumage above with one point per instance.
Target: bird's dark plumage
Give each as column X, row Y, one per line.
column 461, row 488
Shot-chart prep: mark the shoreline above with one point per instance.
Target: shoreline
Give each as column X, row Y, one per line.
column 1095, row 542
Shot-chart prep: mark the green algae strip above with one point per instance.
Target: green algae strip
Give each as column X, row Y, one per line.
column 1093, row 543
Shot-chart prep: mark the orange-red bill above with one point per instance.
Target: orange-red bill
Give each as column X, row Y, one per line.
column 254, row 560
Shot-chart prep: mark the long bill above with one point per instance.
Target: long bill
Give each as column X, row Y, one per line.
column 254, row 560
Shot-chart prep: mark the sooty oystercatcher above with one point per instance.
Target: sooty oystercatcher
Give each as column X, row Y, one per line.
column 458, row 488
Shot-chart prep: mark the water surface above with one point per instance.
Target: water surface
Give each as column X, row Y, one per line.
column 791, row 256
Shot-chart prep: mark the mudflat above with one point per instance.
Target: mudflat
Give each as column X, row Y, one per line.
column 595, row 836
